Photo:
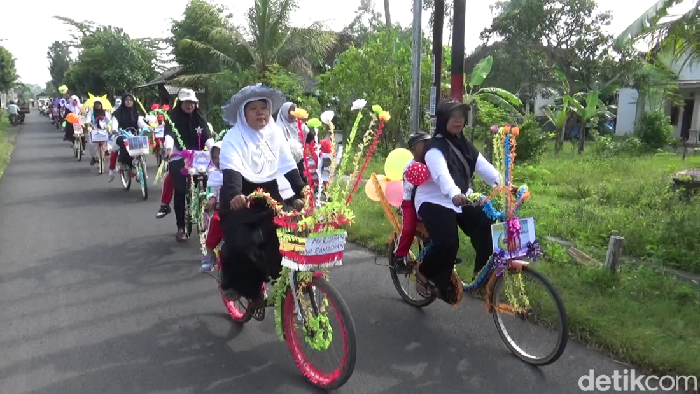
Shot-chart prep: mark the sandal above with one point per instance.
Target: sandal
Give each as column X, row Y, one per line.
column 180, row 236
column 257, row 308
column 423, row 286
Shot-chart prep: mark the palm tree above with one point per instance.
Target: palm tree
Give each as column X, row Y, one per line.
column 678, row 35
column 268, row 39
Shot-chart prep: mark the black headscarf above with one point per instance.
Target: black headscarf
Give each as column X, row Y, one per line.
column 98, row 113
column 450, row 144
column 127, row 117
column 187, row 126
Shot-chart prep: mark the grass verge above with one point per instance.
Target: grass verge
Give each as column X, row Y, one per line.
column 641, row 315
column 5, row 143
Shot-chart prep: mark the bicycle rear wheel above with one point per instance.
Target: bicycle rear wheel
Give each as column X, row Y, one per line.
column 405, row 284
column 540, row 313
column 322, row 330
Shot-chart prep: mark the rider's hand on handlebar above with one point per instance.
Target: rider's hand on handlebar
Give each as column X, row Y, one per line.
column 239, row 202
column 168, row 152
column 459, row 200
column 298, row 204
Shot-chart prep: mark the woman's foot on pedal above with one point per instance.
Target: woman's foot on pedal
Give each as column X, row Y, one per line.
column 180, row 236
column 207, row 264
column 400, row 266
column 163, row 211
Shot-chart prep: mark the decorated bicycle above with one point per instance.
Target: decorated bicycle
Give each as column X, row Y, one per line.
column 515, row 248
column 98, row 125
column 137, row 144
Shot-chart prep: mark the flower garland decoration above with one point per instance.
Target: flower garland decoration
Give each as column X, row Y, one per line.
column 360, row 151
column 357, row 105
column 383, row 118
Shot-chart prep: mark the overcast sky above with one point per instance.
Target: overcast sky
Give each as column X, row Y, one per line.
column 29, row 29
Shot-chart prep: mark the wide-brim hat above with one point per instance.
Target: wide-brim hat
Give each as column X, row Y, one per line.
column 445, row 108
column 229, row 111
column 187, row 95
column 417, row 137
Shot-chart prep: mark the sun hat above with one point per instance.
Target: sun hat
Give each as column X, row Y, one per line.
column 229, row 111
column 187, row 95
column 417, row 137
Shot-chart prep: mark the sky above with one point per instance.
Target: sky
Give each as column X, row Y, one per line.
column 35, row 29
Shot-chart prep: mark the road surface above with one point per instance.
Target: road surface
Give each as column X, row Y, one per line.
column 97, row 297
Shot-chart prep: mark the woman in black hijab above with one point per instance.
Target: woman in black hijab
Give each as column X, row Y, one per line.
column 193, row 129
column 126, row 116
column 441, row 202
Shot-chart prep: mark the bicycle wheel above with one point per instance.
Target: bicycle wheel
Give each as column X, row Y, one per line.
column 188, row 210
column 79, row 150
column 530, row 312
column 142, row 176
column 125, row 175
column 101, row 158
column 75, row 148
column 405, row 284
column 345, row 332
column 238, row 310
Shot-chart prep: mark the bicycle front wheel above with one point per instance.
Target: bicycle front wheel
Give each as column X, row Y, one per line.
column 142, row 177
column 315, row 334
column 530, row 315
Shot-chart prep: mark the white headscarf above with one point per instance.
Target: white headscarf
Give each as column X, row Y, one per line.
column 258, row 155
column 291, row 132
column 74, row 108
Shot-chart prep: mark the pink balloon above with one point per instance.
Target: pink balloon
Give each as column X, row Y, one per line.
column 394, row 193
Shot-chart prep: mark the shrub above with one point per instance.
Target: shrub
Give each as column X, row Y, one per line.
column 609, row 147
column 532, row 141
column 654, row 130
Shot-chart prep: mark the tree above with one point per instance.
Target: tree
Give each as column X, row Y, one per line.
column 8, row 72
column 387, row 14
column 59, row 61
column 110, row 62
column 269, row 38
column 569, row 34
column 589, row 108
column 366, row 22
column 499, row 97
column 380, row 75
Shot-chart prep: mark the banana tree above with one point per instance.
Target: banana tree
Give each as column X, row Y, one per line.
column 499, row 97
column 588, row 108
column 558, row 117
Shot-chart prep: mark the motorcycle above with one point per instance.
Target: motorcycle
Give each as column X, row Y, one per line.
column 14, row 119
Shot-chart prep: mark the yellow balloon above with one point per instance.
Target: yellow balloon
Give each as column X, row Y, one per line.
column 396, row 162
column 371, row 190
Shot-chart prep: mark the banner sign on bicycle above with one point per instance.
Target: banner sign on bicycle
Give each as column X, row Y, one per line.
column 319, row 250
column 499, row 236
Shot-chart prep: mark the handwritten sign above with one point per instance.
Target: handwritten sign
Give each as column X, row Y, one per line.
column 98, row 135
column 325, row 244
column 201, row 159
column 527, row 234
column 160, row 131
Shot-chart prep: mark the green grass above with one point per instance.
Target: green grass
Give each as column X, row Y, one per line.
column 5, row 144
column 640, row 315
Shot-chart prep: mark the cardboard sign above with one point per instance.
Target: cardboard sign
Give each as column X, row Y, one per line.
column 527, row 234
column 98, row 135
column 160, row 132
column 201, row 159
column 325, row 244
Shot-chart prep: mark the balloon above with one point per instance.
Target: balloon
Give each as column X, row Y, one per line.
column 371, row 189
column 396, row 163
column 73, row 118
column 394, row 193
column 63, row 89
column 417, row 173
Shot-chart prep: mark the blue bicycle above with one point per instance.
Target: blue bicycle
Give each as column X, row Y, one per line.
column 137, row 145
column 504, row 280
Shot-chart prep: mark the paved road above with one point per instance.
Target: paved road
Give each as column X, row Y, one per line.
column 97, row 297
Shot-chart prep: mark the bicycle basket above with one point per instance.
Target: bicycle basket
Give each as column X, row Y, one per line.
column 308, row 251
column 97, row 135
column 138, row 145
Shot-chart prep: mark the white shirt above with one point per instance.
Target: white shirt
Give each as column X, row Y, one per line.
column 440, row 187
column 214, row 182
column 13, row 109
column 407, row 186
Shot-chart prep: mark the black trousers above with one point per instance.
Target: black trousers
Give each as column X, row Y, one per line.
column 442, row 224
column 180, row 190
column 124, row 156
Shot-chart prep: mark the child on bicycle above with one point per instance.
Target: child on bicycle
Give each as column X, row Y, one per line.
column 409, row 217
column 214, row 232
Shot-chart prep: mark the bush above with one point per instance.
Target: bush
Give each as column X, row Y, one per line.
column 609, row 147
column 654, row 130
column 532, row 141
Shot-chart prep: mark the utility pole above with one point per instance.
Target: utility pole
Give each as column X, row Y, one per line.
column 438, row 23
column 416, row 110
column 458, row 27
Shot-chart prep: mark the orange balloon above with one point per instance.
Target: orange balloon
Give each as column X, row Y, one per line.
column 371, row 189
column 73, row 118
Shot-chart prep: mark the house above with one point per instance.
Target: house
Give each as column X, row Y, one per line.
column 685, row 118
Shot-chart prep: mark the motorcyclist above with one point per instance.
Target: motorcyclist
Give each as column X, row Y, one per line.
column 13, row 110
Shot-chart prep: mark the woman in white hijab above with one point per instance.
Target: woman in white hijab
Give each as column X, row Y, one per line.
column 75, row 107
column 288, row 123
column 254, row 154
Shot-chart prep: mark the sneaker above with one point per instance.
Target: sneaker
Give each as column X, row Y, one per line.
column 400, row 266
column 207, row 264
column 163, row 211
column 111, row 175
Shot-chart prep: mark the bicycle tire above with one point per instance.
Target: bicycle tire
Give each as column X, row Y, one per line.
column 561, row 314
column 188, row 210
column 289, row 318
column 144, row 177
column 101, row 159
column 75, row 149
column 125, row 176
column 421, row 302
column 79, row 150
